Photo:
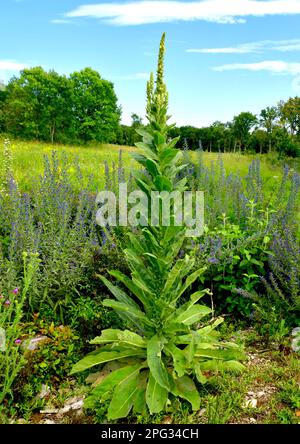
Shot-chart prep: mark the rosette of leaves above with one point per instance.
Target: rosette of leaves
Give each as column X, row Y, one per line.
column 167, row 347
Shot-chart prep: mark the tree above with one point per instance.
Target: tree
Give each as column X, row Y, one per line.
column 267, row 120
column 136, row 120
column 95, row 107
column 38, row 105
column 3, row 95
column 290, row 115
column 258, row 141
column 241, row 126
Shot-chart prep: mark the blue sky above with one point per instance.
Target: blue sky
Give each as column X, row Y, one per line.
column 223, row 57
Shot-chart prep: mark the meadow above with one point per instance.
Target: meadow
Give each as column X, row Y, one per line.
column 63, row 300
column 145, row 324
column 28, row 161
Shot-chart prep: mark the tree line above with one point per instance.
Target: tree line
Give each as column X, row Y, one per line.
column 40, row 105
column 275, row 129
column 83, row 107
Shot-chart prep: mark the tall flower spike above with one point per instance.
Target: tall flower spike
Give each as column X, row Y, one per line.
column 157, row 100
column 150, row 92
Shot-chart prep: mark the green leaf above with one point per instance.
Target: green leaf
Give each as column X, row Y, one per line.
column 155, row 362
column 132, row 339
column 132, row 312
column 107, row 385
column 103, row 356
column 132, row 287
column 191, row 279
column 107, row 336
column 156, row 396
column 193, row 300
column 163, row 183
column 140, row 404
column 123, row 337
column 193, row 314
column 174, row 275
column 179, row 360
column 119, row 294
column 171, row 232
column 147, row 150
column 199, row 375
column 222, row 366
column 123, row 396
column 152, row 168
column 169, row 155
column 139, row 158
column 221, row 353
column 186, row 389
column 191, row 348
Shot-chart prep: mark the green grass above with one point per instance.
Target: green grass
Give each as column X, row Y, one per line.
column 28, row 158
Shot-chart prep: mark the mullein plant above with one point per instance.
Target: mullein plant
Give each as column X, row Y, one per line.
column 167, row 348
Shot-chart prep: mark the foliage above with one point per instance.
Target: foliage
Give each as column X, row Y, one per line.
column 96, row 114
column 235, row 260
column 279, row 308
column 162, row 353
column 11, row 313
column 241, row 126
column 47, row 106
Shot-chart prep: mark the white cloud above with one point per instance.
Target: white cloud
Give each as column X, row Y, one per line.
column 292, row 45
column 9, row 65
column 60, row 21
column 273, row 66
column 241, row 49
column 253, row 47
column 8, row 68
column 219, row 11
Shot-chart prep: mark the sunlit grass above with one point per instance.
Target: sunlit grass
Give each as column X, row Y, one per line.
column 28, row 160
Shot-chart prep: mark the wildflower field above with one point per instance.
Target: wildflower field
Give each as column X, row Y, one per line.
column 145, row 324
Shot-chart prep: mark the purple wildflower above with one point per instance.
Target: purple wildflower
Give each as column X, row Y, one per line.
column 181, row 253
column 7, row 302
column 15, row 291
column 213, row 260
column 18, row 341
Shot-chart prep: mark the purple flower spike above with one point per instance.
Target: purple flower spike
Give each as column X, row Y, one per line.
column 15, row 291
column 213, row 260
column 18, row 341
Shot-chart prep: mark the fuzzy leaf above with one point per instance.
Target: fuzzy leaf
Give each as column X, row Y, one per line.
column 123, row 396
column 107, row 336
column 155, row 362
column 191, row 279
column 152, row 168
column 156, row 396
column 163, row 183
column 131, row 286
column 193, row 314
column 186, row 389
column 119, row 294
column 179, row 360
column 131, row 311
column 103, row 356
column 140, row 404
column 114, row 378
column 221, row 366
